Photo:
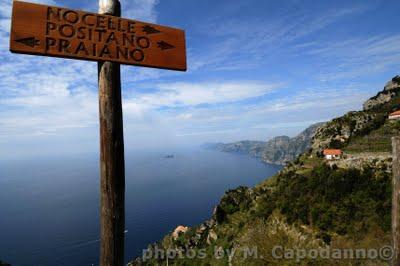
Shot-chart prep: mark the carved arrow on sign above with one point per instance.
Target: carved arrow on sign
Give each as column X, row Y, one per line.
column 30, row 41
column 150, row 30
column 164, row 45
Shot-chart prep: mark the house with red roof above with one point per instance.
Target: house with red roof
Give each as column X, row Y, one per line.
column 332, row 154
column 395, row 115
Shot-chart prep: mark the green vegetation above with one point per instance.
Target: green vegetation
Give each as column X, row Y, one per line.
column 319, row 207
column 311, row 203
column 378, row 140
column 342, row 201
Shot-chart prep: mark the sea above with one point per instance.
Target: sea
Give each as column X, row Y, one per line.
column 49, row 207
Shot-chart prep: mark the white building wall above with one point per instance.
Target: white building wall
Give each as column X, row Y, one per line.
column 332, row 157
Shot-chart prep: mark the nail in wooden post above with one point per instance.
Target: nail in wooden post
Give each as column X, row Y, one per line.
column 112, row 165
column 396, row 201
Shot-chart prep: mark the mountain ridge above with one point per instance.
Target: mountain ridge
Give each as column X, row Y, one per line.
column 278, row 150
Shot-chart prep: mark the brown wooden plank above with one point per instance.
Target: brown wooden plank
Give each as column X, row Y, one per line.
column 61, row 32
column 396, row 201
column 112, row 159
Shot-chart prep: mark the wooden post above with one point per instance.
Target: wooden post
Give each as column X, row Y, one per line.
column 396, row 201
column 112, row 165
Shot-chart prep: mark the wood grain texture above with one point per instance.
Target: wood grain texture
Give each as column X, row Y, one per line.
column 67, row 33
column 112, row 164
column 396, row 201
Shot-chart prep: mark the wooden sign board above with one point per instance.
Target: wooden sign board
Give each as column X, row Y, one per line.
column 60, row 32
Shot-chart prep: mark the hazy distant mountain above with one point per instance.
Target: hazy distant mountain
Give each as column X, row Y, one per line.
column 278, row 150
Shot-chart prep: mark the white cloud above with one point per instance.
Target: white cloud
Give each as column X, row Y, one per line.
column 288, row 115
column 321, row 99
column 356, row 57
column 192, row 94
column 41, row 95
column 302, row 124
column 143, row 10
column 47, row 106
column 59, row 99
column 211, row 132
column 258, row 39
column 186, row 116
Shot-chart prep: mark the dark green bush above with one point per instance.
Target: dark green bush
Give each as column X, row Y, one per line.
column 334, row 199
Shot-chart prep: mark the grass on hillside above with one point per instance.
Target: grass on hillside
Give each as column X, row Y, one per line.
column 378, row 140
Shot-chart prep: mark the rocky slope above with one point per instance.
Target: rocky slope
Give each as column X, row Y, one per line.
column 279, row 150
column 340, row 131
column 310, row 203
column 390, row 90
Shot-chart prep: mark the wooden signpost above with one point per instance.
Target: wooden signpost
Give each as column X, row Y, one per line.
column 396, row 201
column 111, row 41
column 61, row 32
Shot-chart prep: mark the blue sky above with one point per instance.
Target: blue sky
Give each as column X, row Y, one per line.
column 256, row 69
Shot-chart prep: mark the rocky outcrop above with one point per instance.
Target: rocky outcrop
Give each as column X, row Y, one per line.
column 391, row 89
column 233, row 201
column 338, row 132
column 278, row 150
column 378, row 161
column 179, row 230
